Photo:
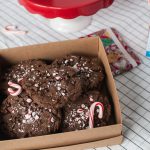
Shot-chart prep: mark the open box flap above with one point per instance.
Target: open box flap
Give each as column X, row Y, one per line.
column 85, row 46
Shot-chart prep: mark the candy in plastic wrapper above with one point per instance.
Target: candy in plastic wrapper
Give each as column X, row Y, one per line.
column 120, row 56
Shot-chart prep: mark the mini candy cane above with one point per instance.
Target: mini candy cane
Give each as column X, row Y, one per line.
column 16, row 86
column 14, row 29
column 91, row 113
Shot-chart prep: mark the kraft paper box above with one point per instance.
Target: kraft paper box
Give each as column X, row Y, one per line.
column 76, row 140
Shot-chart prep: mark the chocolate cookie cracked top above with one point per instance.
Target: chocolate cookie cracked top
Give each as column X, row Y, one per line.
column 20, row 70
column 90, row 70
column 22, row 117
column 55, row 86
column 76, row 114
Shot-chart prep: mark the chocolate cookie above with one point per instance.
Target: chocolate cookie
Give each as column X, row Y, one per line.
column 21, row 69
column 55, row 86
column 18, row 71
column 22, row 117
column 76, row 114
column 90, row 70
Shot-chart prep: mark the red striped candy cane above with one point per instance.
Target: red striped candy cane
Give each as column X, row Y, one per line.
column 14, row 29
column 91, row 113
column 16, row 86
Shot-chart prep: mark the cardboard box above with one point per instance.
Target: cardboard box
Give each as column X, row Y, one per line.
column 78, row 140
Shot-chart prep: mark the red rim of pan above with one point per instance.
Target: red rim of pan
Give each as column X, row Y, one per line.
column 67, row 9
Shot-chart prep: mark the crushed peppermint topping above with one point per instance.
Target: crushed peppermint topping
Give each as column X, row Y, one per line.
column 29, row 111
column 20, row 80
column 36, row 85
column 29, row 100
column 54, row 74
column 48, row 74
column 76, row 67
column 36, row 117
column 33, row 114
column 88, row 75
column 91, row 98
column 58, row 78
column 23, row 121
column 63, row 94
column 77, row 119
column 79, row 122
column 83, row 106
column 20, row 130
column 66, row 61
column 52, row 120
column 27, row 116
column 79, row 110
column 58, row 88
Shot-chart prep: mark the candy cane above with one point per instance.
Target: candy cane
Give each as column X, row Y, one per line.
column 14, row 29
column 91, row 113
column 16, row 86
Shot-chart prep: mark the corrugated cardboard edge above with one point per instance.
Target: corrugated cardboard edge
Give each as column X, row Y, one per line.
column 96, row 144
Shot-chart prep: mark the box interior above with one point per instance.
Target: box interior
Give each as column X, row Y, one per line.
column 85, row 46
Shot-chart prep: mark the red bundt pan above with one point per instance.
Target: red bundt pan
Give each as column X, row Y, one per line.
column 66, row 9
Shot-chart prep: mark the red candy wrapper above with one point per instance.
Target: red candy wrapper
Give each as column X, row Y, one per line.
column 120, row 56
